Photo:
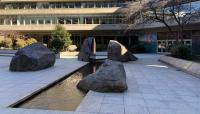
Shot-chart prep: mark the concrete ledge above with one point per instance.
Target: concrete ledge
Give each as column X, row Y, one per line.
column 185, row 65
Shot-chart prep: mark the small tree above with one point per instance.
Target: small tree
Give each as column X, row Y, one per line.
column 60, row 39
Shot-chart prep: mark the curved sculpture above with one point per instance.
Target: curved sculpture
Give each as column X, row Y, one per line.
column 88, row 49
column 118, row 52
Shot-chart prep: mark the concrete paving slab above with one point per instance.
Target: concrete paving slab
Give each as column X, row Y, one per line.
column 153, row 88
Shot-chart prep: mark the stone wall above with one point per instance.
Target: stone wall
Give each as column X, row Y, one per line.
column 187, row 66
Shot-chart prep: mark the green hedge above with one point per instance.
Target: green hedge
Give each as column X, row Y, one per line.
column 181, row 51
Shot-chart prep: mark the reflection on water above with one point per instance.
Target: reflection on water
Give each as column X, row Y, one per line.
column 62, row 96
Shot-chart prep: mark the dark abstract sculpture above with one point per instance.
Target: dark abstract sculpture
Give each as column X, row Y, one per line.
column 118, row 52
column 32, row 58
column 110, row 77
column 88, row 49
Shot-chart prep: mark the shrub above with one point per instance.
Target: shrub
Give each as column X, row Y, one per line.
column 180, row 51
column 20, row 43
column 60, row 39
column 7, row 43
column 1, row 41
column 30, row 41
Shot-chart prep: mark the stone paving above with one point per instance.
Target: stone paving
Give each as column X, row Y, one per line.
column 154, row 88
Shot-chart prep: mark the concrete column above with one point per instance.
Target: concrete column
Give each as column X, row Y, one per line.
column 11, row 22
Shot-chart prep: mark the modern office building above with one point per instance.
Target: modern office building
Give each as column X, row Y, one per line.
column 102, row 19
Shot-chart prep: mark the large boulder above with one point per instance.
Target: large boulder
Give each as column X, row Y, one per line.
column 87, row 49
column 31, row 58
column 110, row 77
column 118, row 52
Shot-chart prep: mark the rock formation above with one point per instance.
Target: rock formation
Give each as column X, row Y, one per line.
column 110, row 77
column 118, row 52
column 31, row 58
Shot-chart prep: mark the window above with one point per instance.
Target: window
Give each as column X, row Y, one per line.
column 77, row 5
column 88, row 20
column 71, row 5
column 75, row 20
column 33, row 21
column 40, row 21
column 61, row 20
column 21, row 21
column 95, row 20
column 65, row 5
column 47, row 21
column 90, row 5
column 14, row 21
column 105, row 5
column 15, row 6
column 58, row 5
column 27, row 21
column 27, row 6
column 33, row 5
column 1, row 21
column 98, row 4
column 68, row 21
column 54, row 20
column 45, row 5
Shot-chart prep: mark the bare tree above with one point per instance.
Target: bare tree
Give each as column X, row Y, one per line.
column 167, row 12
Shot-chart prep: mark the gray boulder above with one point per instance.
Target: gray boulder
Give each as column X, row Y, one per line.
column 110, row 77
column 87, row 49
column 118, row 52
column 32, row 58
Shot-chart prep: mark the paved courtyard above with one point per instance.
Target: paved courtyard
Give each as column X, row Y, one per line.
column 154, row 88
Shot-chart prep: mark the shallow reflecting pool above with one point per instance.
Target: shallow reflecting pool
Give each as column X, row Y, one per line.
column 62, row 96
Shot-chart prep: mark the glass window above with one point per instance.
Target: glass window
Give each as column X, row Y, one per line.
column 90, row 5
column 71, row 5
column 27, row 6
column 2, row 6
column 54, row 20
column 88, row 20
column 7, row 21
column 65, row 5
column 40, row 21
column 8, row 6
column 75, row 20
column 1, row 21
column 53, row 5
column 14, row 21
column 77, row 5
column 47, row 21
column 58, row 5
column 61, row 20
column 103, row 20
column 15, row 6
column 33, row 5
column 21, row 6
column 27, row 21
column 68, row 21
column 98, row 4
column 33, row 21
column 105, row 5
column 95, row 20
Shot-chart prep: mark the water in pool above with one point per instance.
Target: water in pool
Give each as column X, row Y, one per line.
column 62, row 96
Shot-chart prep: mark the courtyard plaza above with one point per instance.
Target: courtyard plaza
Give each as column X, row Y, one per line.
column 153, row 88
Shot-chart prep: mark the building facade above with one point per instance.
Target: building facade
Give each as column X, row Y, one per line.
column 101, row 19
